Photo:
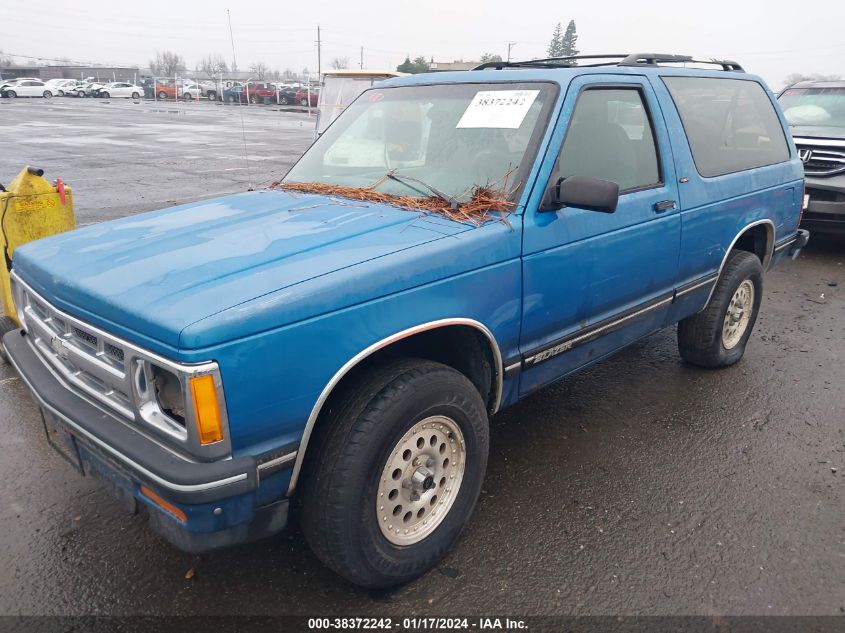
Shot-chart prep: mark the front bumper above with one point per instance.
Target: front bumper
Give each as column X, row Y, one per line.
column 220, row 500
column 826, row 212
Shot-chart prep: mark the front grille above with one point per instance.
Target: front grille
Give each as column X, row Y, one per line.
column 822, row 161
column 118, row 374
column 88, row 360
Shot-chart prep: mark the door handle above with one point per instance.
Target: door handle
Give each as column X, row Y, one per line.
column 664, row 205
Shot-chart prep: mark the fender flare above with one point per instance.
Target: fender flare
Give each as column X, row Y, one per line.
column 389, row 340
column 767, row 258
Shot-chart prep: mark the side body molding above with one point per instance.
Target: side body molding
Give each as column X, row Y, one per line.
column 352, row 362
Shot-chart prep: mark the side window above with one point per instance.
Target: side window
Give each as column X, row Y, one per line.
column 731, row 124
column 610, row 136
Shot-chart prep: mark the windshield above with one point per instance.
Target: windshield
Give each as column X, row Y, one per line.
column 823, row 107
column 337, row 93
column 452, row 137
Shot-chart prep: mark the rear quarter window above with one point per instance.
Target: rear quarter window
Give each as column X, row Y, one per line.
column 731, row 124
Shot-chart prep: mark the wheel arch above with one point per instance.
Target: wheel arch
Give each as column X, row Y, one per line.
column 401, row 343
column 757, row 237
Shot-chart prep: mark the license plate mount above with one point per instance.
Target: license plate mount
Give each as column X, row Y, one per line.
column 62, row 442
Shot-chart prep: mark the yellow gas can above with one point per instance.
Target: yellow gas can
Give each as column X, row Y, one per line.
column 30, row 208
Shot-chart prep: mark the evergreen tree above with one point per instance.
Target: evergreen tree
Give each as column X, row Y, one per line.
column 555, row 45
column 568, row 44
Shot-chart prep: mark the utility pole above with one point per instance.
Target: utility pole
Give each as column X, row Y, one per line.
column 232, row 38
column 510, row 46
column 361, row 65
column 319, row 56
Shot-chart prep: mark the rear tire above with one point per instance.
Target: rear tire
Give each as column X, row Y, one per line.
column 345, row 512
column 717, row 336
column 162, row 95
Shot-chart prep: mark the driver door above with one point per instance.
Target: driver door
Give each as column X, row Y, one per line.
column 594, row 281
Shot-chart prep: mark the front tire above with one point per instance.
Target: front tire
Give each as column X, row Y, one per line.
column 105, row 95
column 11, row 94
column 136, row 95
column 394, row 473
column 717, row 336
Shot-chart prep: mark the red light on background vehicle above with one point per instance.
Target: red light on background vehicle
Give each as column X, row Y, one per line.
column 805, row 202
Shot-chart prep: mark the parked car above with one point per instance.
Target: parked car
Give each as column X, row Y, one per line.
column 302, row 96
column 236, row 93
column 67, row 87
column 86, row 90
column 120, row 89
column 26, row 88
column 9, row 82
column 350, row 358
column 165, row 91
column 815, row 111
column 287, row 95
column 260, row 91
column 194, row 90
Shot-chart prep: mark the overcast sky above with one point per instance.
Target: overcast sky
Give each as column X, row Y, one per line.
column 772, row 38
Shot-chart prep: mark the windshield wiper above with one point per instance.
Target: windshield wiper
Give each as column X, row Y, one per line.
column 405, row 180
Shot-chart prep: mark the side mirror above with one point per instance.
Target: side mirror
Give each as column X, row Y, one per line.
column 593, row 194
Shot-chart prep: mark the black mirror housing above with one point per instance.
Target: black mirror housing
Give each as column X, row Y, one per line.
column 593, row 194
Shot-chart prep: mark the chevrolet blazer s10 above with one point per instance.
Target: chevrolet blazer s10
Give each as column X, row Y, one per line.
column 333, row 347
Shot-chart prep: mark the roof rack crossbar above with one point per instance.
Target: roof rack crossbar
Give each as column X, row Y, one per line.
column 654, row 59
column 636, row 59
column 551, row 62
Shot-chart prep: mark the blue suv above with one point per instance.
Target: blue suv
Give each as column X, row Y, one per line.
column 334, row 346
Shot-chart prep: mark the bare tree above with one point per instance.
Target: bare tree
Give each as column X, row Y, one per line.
column 339, row 63
column 213, row 66
column 288, row 74
column 167, row 64
column 5, row 60
column 259, row 69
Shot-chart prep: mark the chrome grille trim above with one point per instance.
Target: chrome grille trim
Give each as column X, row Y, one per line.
column 100, row 366
column 826, row 157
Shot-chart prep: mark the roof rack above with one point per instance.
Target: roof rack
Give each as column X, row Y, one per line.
column 651, row 60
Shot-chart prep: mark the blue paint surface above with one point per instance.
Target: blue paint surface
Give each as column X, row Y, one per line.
column 283, row 289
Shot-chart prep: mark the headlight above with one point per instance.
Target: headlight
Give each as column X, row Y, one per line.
column 183, row 404
column 168, row 391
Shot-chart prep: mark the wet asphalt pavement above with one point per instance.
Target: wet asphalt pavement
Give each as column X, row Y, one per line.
column 639, row 486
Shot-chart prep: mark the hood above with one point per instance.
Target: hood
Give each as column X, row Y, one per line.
column 147, row 277
column 818, row 131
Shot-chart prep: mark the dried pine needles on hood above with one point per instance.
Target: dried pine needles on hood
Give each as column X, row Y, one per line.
column 484, row 204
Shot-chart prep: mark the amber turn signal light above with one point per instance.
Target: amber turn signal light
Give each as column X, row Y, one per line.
column 206, row 409
column 164, row 504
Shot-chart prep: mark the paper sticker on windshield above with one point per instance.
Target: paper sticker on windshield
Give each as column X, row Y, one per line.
column 498, row 108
